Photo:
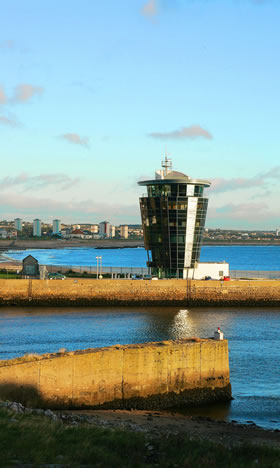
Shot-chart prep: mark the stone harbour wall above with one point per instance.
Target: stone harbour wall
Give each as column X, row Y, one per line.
column 146, row 376
column 130, row 292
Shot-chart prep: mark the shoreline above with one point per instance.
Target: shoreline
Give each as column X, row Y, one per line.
column 161, row 424
column 28, row 244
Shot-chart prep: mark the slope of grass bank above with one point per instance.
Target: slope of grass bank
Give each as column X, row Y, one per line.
column 37, row 440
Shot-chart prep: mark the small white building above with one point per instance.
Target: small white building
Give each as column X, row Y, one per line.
column 213, row 270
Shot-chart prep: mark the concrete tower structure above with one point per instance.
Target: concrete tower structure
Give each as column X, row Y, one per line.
column 173, row 217
column 37, row 229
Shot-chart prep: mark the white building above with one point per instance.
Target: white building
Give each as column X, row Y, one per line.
column 37, row 227
column 18, row 224
column 112, row 231
column 124, row 231
column 94, row 228
column 215, row 270
column 56, row 226
column 104, row 229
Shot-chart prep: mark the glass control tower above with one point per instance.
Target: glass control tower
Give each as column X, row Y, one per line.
column 173, row 218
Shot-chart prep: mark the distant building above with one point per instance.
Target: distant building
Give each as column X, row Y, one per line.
column 104, row 229
column 277, row 232
column 56, row 226
column 94, row 228
column 18, row 224
column 112, row 231
column 30, row 266
column 3, row 233
column 37, row 227
column 77, row 233
column 124, row 232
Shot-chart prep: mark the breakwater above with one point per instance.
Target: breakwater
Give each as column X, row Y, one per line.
column 152, row 375
column 128, row 292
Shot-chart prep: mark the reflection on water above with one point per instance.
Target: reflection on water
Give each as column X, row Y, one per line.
column 252, row 334
column 182, row 325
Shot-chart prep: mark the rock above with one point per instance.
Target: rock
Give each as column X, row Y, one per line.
column 50, row 414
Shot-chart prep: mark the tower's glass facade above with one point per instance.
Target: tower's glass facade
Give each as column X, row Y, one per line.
column 173, row 217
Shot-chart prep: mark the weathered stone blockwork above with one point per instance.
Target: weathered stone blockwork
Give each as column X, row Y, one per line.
column 128, row 292
column 151, row 375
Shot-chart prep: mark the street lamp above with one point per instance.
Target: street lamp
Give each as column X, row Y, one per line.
column 98, row 263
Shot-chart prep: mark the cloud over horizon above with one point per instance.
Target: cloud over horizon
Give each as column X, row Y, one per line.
column 225, row 185
column 75, row 139
column 251, row 212
column 68, row 211
column 29, row 183
column 192, row 132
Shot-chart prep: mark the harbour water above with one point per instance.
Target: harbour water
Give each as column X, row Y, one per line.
column 243, row 257
column 253, row 336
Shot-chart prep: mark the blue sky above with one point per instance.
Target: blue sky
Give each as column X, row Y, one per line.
column 91, row 94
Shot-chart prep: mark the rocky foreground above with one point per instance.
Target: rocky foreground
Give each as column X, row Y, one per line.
column 159, row 424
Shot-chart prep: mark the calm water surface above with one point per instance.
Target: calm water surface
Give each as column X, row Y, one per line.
column 253, row 336
column 243, row 257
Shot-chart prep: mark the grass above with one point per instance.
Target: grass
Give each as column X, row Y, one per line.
column 38, row 440
column 9, row 275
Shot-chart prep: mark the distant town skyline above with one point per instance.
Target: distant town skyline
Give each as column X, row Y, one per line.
column 92, row 94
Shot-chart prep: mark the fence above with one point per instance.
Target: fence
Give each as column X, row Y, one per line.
column 104, row 270
column 250, row 274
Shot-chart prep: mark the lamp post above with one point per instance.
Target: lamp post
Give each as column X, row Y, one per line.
column 97, row 260
column 98, row 263
column 100, row 275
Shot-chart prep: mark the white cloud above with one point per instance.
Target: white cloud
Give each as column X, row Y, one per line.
column 68, row 211
column 8, row 44
column 3, row 97
column 225, row 185
column 11, row 121
column 195, row 131
column 76, row 139
column 25, row 92
column 27, row 182
column 150, row 9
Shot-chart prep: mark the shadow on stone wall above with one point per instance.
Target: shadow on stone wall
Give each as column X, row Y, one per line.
column 27, row 395
column 30, row 397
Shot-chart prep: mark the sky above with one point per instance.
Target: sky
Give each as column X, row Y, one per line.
column 93, row 93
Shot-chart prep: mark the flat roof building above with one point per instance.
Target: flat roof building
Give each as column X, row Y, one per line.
column 56, row 226
column 37, row 227
column 173, row 218
column 18, row 224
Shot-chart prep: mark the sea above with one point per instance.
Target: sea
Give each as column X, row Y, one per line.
column 252, row 333
column 239, row 257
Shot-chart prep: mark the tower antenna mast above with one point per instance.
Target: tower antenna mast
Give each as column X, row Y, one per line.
column 166, row 163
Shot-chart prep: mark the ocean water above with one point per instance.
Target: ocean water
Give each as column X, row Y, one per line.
column 243, row 257
column 253, row 336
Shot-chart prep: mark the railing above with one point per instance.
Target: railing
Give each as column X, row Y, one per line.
column 252, row 274
column 93, row 270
